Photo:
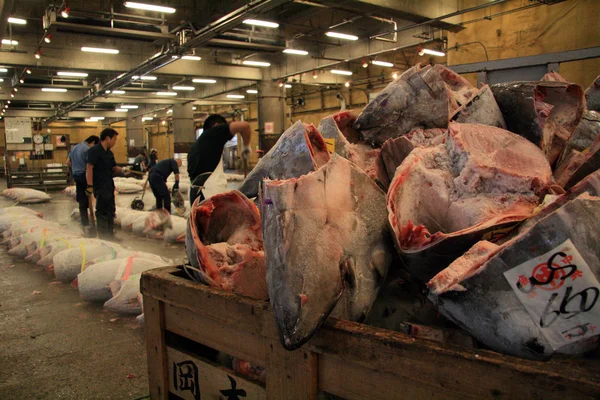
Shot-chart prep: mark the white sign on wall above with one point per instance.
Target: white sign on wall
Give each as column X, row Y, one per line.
column 17, row 129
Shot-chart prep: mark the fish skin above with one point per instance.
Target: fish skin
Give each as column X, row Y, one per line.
column 592, row 95
column 584, row 135
column 482, row 108
column 224, row 243
column 488, row 308
column 299, row 150
column 545, row 113
column 327, row 247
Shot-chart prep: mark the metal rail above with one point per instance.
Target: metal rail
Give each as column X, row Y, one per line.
column 175, row 51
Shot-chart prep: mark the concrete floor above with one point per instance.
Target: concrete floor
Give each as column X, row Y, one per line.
column 53, row 345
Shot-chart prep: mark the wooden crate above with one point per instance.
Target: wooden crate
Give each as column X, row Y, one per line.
column 346, row 359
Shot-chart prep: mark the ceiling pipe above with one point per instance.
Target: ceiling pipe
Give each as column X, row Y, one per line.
column 370, row 55
column 201, row 37
column 440, row 18
column 6, row 7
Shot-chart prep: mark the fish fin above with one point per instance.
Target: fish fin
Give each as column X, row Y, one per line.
column 457, row 288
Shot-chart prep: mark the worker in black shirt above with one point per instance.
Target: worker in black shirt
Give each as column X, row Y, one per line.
column 100, row 168
column 206, row 152
column 158, row 182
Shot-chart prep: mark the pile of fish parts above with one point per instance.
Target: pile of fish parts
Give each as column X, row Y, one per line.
column 100, row 270
column 432, row 196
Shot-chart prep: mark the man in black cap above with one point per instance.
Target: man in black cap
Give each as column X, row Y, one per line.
column 100, row 168
column 206, row 152
column 158, row 182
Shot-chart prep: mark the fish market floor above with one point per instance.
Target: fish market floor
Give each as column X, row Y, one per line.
column 53, row 345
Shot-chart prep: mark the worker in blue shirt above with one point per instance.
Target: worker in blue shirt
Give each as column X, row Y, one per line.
column 77, row 160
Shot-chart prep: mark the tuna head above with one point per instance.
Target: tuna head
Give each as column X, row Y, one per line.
column 326, row 244
column 299, row 150
column 224, row 244
column 419, row 98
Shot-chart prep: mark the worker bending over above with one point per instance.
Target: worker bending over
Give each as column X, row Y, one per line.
column 207, row 150
column 140, row 162
column 77, row 161
column 158, row 181
column 100, row 168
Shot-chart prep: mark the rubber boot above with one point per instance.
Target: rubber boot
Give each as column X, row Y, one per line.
column 103, row 230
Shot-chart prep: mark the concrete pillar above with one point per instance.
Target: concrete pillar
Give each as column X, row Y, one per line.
column 271, row 113
column 135, row 136
column 183, row 127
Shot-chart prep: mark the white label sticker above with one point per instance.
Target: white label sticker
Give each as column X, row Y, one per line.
column 560, row 293
column 131, row 142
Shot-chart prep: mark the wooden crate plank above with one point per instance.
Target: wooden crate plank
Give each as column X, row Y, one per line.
column 229, row 339
column 355, row 382
column 477, row 373
column 245, row 328
column 154, row 323
column 191, row 378
column 291, row 374
column 227, row 308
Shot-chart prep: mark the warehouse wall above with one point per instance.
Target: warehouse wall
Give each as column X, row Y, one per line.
column 569, row 25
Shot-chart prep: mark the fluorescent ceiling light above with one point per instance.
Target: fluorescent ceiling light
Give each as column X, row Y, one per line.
column 341, row 35
column 75, row 74
column 259, row 22
column 149, row 7
column 194, row 108
column 10, row 42
column 91, row 120
column 3, row 70
column 121, row 110
column 166, row 93
column 118, row 92
column 144, row 78
column 191, row 58
column 1, row 80
column 18, row 21
column 184, row 88
column 288, row 86
column 169, row 111
column 200, row 80
column 432, row 52
column 252, row 91
column 295, row 51
column 235, row 96
column 147, row 119
column 382, row 63
column 99, row 50
column 97, row 118
column 131, row 106
column 341, row 72
column 58, row 90
column 256, row 63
